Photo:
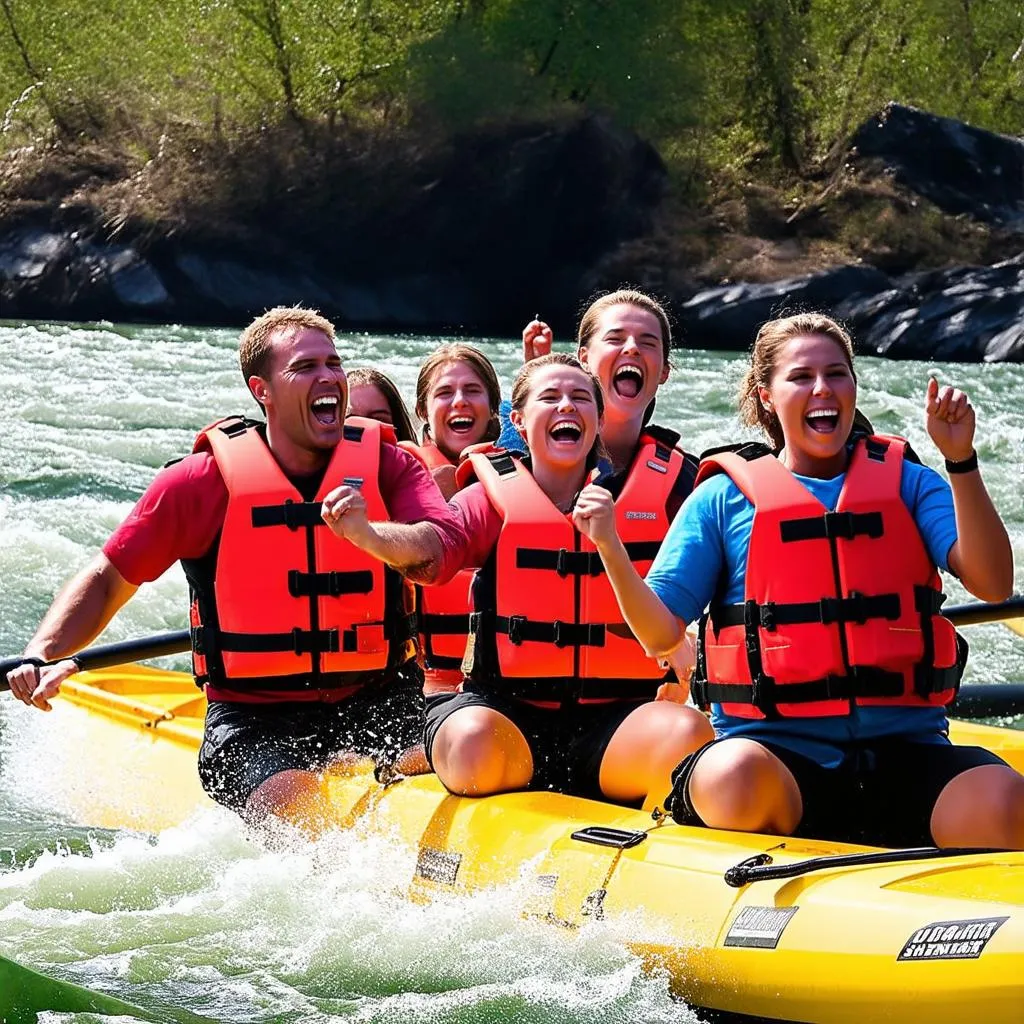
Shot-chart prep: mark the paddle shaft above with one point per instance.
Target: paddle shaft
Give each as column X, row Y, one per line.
column 979, row 611
column 107, row 655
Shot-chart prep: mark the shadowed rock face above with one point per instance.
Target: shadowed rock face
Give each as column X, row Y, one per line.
column 486, row 230
column 959, row 168
column 966, row 314
column 489, row 230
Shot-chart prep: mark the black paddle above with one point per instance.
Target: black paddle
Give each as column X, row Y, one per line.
column 975, row 700
column 106, row 655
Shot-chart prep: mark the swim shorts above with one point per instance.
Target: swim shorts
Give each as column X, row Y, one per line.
column 245, row 744
column 881, row 794
column 567, row 746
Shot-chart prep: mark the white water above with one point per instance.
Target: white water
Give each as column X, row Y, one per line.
column 203, row 916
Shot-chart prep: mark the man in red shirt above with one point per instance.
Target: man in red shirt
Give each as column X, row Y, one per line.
column 299, row 645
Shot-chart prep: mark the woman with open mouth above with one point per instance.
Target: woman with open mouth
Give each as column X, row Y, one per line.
column 557, row 693
column 375, row 396
column 825, row 657
column 625, row 339
column 457, row 397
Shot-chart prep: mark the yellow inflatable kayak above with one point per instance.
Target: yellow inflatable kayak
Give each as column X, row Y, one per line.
column 756, row 926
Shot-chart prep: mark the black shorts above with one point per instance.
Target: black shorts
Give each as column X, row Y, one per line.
column 882, row 794
column 245, row 744
column 567, row 746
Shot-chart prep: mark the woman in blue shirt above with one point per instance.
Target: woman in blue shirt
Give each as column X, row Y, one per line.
column 858, row 760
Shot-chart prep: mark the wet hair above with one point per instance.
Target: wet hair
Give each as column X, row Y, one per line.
column 771, row 339
column 459, row 352
column 624, row 297
column 254, row 344
column 386, row 386
column 524, row 380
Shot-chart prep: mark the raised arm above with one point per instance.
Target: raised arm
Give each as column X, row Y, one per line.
column 79, row 613
column 981, row 556
column 414, row 549
column 653, row 624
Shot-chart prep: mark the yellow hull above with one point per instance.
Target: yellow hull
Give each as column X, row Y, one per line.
column 936, row 940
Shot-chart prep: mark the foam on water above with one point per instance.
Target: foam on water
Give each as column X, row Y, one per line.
column 205, row 915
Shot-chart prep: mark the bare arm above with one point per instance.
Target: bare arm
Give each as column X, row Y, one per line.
column 981, row 556
column 414, row 549
column 652, row 623
column 79, row 613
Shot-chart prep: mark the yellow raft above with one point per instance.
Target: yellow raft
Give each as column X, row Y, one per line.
column 901, row 940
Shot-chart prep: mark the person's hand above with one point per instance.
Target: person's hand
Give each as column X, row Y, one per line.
column 344, row 511
column 36, row 686
column 594, row 514
column 682, row 660
column 537, row 338
column 949, row 419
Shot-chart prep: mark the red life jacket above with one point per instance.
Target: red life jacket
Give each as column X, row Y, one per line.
column 282, row 604
column 840, row 608
column 546, row 626
column 443, row 610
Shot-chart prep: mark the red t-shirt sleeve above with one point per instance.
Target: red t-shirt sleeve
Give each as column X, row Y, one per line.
column 411, row 496
column 179, row 516
column 481, row 525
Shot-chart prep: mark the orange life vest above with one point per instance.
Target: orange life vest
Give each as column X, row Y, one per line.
column 282, row 604
column 840, row 608
column 443, row 610
column 546, row 626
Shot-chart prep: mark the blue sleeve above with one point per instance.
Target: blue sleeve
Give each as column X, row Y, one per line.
column 686, row 570
column 510, row 438
column 930, row 501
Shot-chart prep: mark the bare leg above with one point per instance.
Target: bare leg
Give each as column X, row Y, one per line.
column 738, row 784
column 983, row 806
column 478, row 751
column 295, row 796
column 639, row 760
column 413, row 761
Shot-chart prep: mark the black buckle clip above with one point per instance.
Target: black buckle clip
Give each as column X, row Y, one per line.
column 762, row 694
column 767, row 616
column 751, row 620
column 515, row 629
column 839, row 525
column 291, row 519
column 301, row 646
column 562, row 563
column 856, row 609
column 829, row 610
column 557, row 634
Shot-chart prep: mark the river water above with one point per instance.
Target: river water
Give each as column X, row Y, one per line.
column 203, row 916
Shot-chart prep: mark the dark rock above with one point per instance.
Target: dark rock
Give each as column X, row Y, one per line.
column 959, row 168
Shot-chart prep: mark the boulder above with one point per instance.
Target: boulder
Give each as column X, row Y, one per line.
column 959, row 168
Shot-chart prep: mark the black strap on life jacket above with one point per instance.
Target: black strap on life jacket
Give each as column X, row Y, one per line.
column 520, row 630
column 832, row 526
column 766, row 694
column 771, row 614
column 329, row 584
column 580, row 563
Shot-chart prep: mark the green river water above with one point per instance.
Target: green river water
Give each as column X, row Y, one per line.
column 203, row 918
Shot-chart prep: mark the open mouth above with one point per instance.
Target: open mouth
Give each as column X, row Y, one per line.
column 566, row 432
column 823, row 421
column 325, row 409
column 461, row 424
column 628, row 380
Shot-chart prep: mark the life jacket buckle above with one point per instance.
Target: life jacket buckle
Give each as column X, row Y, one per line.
column 839, row 525
column 762, row 695
column 290, row 513
column 856, row 608
column 515, row 629
column 766, row 613
column 562, row 563
column 558, row 637
column 829, row 610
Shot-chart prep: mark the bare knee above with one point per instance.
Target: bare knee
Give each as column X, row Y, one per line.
column 981, row 807
column 293, row 795
column 647, row 746
column 478, row 751
column 738, row 784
